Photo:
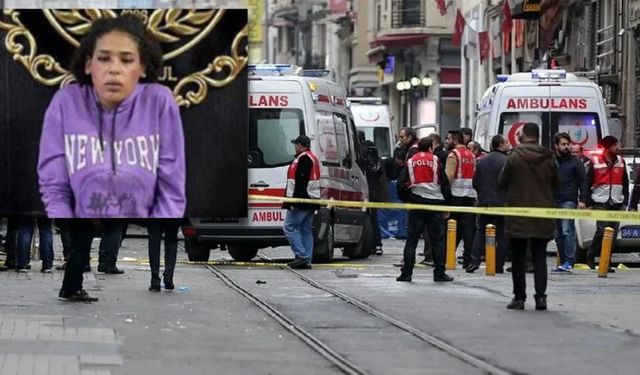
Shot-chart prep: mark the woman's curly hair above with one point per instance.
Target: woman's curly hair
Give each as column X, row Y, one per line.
column 148, row 47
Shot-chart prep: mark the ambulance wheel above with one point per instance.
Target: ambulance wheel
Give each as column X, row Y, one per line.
column 242, row 254
column 323, row 248
column 196, row 251
column 365, row 246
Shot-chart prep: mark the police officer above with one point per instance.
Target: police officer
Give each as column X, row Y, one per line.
column 423, row 181
column 609, row 183
column 460, row 168
column 303, row 181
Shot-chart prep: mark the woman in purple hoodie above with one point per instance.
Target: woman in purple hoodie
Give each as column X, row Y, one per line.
column 112, row 145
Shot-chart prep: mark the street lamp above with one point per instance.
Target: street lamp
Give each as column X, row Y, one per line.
column 415, row 81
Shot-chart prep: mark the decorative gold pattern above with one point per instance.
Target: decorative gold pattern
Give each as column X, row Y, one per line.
column 169, row 26
column 234, row 63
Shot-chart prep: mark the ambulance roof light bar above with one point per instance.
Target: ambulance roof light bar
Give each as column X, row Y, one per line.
column 502, row 78
column 549, row 75
column 315, row 73
column 273, row 69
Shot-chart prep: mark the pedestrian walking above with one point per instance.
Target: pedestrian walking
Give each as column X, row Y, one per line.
column 157, row 228
column 25, row 237
column 572, row 192
column 303, row 181
column 609, row 182
column 485, row 183
column 82, row 233
column 377, row 183
column 423, row 181
column 529, row 178
column 110, row 242
column 112, row 144
column 460, row 168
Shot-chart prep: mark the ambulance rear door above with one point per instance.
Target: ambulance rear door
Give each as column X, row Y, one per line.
column 276, row 116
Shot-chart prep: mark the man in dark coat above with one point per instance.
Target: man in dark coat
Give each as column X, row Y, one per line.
column 484, row 182
column 529, row 178
column 377, row 182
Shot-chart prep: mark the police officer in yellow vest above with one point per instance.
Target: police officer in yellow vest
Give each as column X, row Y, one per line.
column 423, row 181
column 303, row 181
column 607, row 175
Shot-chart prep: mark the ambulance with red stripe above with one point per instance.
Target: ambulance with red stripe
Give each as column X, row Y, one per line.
column 558, row 102
column 285, row 102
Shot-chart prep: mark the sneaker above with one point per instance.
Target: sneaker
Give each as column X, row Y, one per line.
column 297, row 262
column 427, row 262
column 442, row 278
column 404, row 277
column 378, row 250
column 110, row 270
column 45, row 270
column 78, row 296
column 567, row 267
column 21, row 270
column 302, row 266
column 473, row 267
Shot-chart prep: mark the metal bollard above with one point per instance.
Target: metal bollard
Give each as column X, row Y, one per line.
column 605, row 252
column 490, row 249
column 452, row 228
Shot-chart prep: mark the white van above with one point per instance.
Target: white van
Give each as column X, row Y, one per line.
column 284, row 102
column 558, row 102
column 374, row 119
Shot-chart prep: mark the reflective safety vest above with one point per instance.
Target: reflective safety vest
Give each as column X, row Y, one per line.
column 608, row 181
column 313, row 188
column 423, row 175
column 462, row 185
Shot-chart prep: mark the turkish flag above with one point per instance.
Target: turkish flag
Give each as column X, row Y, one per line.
column 442, row 7
column 485, row 45
column 458, row 28
column 507, row 21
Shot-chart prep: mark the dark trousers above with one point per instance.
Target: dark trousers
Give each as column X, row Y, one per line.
column 11, row 245
column 25, row 237
column 435, row 225
column 479, row 242
column 110, row 242
column 519, row 261
column 82, row 231
column 376, row 227
column 65, row 237
column 596, row 244
column 170, row 229
column 466, row 225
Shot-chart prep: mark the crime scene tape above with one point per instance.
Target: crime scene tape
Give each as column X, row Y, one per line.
column 531, row 212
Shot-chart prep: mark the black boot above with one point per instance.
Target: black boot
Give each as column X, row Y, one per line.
column 404, row 277
column 516, row 304
column 168, row 283
column 541, row 302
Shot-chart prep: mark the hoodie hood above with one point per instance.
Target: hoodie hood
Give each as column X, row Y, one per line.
column 533, row 153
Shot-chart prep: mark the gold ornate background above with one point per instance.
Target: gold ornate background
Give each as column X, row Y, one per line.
column 178, row 28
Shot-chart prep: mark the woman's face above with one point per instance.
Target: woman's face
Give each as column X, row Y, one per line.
column 115, row 67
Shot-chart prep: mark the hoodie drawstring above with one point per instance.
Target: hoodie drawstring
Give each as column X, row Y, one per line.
column 113, row 134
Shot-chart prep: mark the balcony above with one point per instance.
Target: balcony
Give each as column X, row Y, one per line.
column 407, row 14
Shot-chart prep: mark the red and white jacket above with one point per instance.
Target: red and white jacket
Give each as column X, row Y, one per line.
column 313, row 188
column 608, row 182
column 462, row 185
column 423, row 176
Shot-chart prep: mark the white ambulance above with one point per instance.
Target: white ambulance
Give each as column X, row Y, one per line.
column 558, row 102
column 285, row 102
column 374, row 119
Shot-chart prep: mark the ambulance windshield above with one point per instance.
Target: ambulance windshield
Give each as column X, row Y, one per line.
column 583, row 128
column 270, row 133
column 380, row 137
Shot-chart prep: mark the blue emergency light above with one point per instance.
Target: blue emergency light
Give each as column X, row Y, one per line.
column 502, row 77
column 555, row 74
column 276, row 69
column 315, row 73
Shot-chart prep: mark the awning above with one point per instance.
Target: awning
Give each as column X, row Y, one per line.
column 398, row 40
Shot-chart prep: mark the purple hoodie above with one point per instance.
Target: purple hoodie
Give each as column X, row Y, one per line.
column 126, row 162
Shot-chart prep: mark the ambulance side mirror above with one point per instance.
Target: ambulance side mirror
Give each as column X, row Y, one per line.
column 347, row 163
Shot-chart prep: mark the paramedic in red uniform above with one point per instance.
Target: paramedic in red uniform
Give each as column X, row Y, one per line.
column 607, row 175
column 423, row 181
column 303, row 181
column 460, row 168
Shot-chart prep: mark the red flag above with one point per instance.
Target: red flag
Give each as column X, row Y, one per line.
column 485, row 46
column 442, row 7
column 507, row 22
column 458, row 28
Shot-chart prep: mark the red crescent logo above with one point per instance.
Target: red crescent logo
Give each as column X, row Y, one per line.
column 369, row 116
column 514, row 133
column 586, row 139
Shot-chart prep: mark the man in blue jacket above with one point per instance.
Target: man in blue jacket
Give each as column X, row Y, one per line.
column 572, row 192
